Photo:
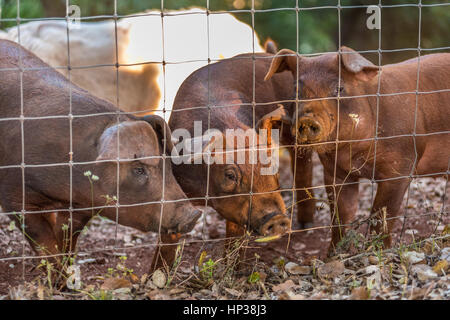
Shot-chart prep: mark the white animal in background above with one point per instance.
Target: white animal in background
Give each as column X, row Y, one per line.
column 190, row 38
column 92, row 58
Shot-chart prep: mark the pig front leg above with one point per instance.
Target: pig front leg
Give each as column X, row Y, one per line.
column 165, row 251
column 343, row 202
column 53, row 233
column 40, row 234
column 387, row 203
column 302, row 167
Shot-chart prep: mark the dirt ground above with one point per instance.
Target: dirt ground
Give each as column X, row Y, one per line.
column 100, row 254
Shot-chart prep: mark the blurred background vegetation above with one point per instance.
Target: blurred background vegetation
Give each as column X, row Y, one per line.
column 318, row 28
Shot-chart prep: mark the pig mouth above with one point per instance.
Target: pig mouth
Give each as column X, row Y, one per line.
column 272, row 224
column 184, row 226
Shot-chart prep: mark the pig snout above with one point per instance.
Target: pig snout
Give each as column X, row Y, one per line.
column 309, row 130
column 273, row 224
column 187, row 221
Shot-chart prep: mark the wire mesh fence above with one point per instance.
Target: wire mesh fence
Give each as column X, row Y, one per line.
column 396, row 184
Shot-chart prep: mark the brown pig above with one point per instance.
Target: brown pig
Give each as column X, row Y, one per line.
column 220, row 96
column 65, row 133
column 404, row 134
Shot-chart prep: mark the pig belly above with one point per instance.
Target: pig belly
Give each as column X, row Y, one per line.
column 436, row 157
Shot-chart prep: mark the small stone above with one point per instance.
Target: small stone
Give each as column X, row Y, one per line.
column 374, row 281
column 413, row 257
column 445, row 254
column 305, row 286
column 423, row 272
column 159, row 278
column 368, row 270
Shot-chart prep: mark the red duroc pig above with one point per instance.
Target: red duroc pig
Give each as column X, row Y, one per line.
column 402, row 136
column 43, row 184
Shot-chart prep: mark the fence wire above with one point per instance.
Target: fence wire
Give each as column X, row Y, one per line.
column 165, row 110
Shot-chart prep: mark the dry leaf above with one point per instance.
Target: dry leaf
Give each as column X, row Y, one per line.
column 441, row 267
column 295, row 269
column 134, row 278
column 283, row 286
column 288, row 295
column 423, row 272
column 331, row 269
column 359, row 293
column 233, row 292
column 115, row 283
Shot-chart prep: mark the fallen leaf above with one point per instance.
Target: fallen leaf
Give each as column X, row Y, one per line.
column 157, row 295
column 441, row 267
column 283, row 286
column 115, row 283
column 134, row 278
column 295, row 269
column 423, row 272
column 289, row 295
column 359, row 293
column 176, row 291
column 233, row 292
column 331, row 269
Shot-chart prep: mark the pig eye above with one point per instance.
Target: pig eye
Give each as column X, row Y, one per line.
column 139, row 171
column 230, row 175
column 339, row 91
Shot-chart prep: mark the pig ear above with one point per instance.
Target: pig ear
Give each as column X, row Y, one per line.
column 162, row 130
column 208, row 145
column 356, row 64
column 285, row 59
column 277, row 117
